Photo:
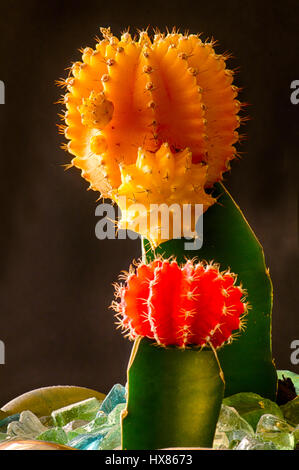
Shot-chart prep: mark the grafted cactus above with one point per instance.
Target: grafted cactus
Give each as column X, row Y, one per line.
column 178, row 316
column 154, row 121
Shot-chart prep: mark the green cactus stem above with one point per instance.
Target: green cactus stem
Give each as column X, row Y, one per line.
column 174, row 397
column 227, row 237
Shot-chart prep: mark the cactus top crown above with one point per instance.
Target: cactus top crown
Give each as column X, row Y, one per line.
column 142, row 92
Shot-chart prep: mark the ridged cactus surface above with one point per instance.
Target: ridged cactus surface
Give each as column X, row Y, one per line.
column 137, row 92
column 192, row 305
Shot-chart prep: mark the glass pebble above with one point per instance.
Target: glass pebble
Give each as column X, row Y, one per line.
column 112, row 439
column 85, row 410
column 5, row 422
column 116, row 395
column 28, row 426
column 270, row 428
column 252, row 443
column 220, row 440
column 252, row 406
column 53, row 435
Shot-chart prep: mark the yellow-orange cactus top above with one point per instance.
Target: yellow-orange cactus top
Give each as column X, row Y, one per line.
column 132, row 94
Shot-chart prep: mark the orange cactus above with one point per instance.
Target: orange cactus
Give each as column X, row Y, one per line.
column 133, row 96
column 129, row 93
column 157, row 180
column 192, row 305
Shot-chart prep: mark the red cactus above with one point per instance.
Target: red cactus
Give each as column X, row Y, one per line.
column 194, row 304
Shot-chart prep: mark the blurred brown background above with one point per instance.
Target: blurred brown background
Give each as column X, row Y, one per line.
column 56, row 276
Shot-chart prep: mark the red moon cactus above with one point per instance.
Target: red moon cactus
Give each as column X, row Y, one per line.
column 194, row 304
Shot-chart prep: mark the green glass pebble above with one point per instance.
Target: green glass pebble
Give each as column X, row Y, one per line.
column 291, row 411
column 100, row 419
column 73, row 434
column 273, row 429
column 104, row 429
column 251, row 406
column 91, row 428
column 84, row 410
column 75, row 428
column 112, row 440
column 57, row 435
column 114, row 416
column 96, row 424
column 296, row 435
column 3, row 436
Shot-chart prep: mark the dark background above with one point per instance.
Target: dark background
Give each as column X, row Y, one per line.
column 56, row 277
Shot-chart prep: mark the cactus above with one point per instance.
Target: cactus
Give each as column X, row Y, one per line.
column 174, row 397
column 157, row 180
column 247, row 364
column 178, row 317
column 154, row 121
column 142, row 93
column 193, row 304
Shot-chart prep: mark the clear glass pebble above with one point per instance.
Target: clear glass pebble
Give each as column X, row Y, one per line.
column 220, row 440
column 5, row 422
column 270, row 428
column 252, row 443
column 28, row 426
column 230, row 420
column 75, row 424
